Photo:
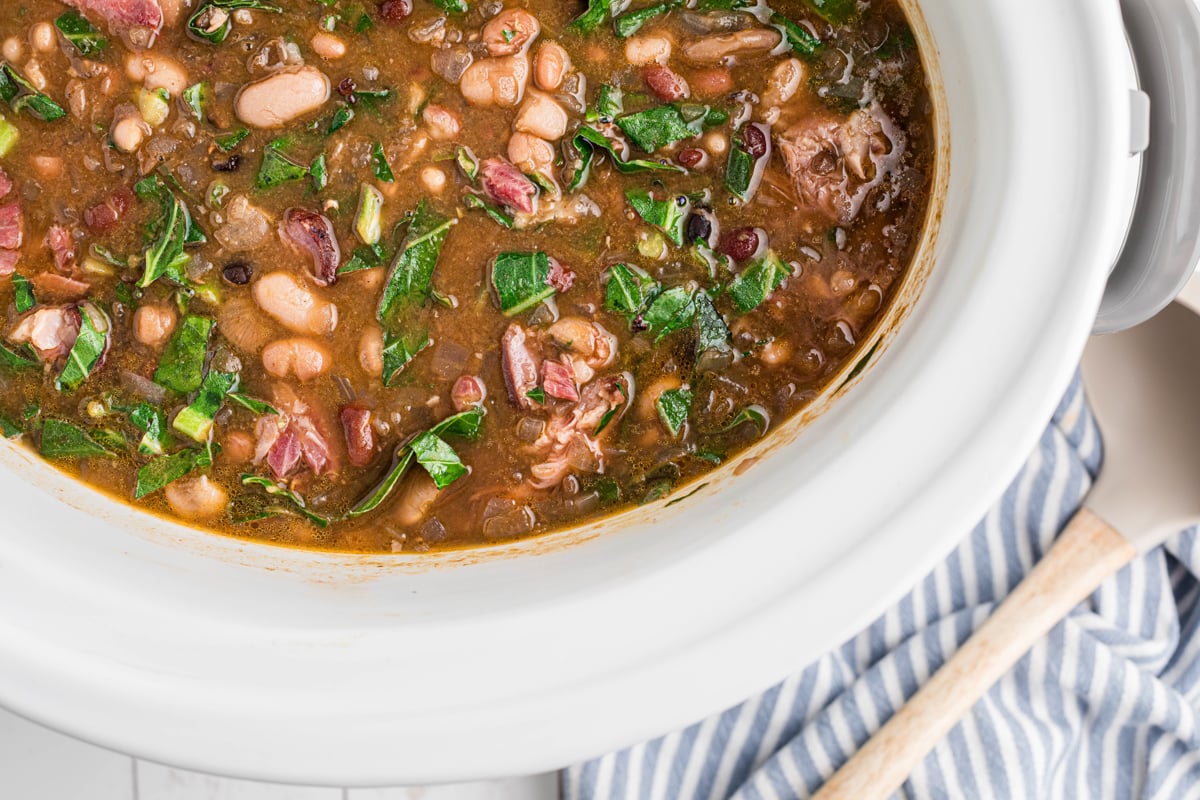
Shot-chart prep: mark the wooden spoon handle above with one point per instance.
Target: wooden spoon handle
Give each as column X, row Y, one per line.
column 1086, row 553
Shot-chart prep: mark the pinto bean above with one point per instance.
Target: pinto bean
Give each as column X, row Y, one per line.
column 42, row 38
column 285, row 298
column 303, row 358
column 197, row 498
column 370, row 351
column 156, row 71
column 511, row 31
column 551, row 66
column 128, row 133
column 541, row 116
column 643, row 50
column 496, row 81
column 530, row 154
column 282, row 97
column 716, row 49
column 154, row 324
column 444, row 125
column 712, row 83
column 328, row 46
column 433, row 179
column 12, row 49
column 784, row 82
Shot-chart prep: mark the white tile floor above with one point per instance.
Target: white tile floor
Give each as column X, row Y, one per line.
column 39, row 764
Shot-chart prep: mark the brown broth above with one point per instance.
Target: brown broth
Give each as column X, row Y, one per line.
column 864, row 80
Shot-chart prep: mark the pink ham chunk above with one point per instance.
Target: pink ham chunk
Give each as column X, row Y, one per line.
column 12, row 227
column 505, row 184
column 8, row 262
column 50, row 330
column 123, row 14
column 558, row 381
column 520, row 366
column 59, row 240
column 6, row 184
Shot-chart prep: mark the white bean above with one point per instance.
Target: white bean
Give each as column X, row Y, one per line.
column 551, row 66
column 541, row 116
column 496, row 81
column 643, row 50
column 277, row 99
column 156, row 71
column 197, row 498
column 784, row 82
column 12, row 49
column 42, row 38
column 328, row 46
column 128, row 133
column 303, row 358
column 370, row 351
column 292, row 304
column 154, row 324
column 433, row 179
column 510, row 31
column 444, row 125
column 530, row 154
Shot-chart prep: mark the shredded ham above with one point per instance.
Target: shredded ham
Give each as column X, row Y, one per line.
column 287, row 438
column 124, row 14
column 50, row 330
column 8, row 262
column 520, row 366
column 59, row 240
column 558, row 381
column 505, row 184
column 12, row 227
column 6, row 184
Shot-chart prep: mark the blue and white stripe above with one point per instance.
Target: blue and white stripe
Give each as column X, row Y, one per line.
column 1107, row 706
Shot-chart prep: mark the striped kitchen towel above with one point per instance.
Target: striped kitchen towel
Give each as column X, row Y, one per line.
column 1107, row 706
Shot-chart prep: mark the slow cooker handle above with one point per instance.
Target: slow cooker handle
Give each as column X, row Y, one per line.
column 1163, row 247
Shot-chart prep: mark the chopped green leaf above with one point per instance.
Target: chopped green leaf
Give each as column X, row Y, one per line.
column 212, row 22
column 82, row 34
column 181, row 368
column 628, row 289
column 398, row 352
column 597, row 14
column 669, row 216
column 340, row 119
column 165, row 255
column 14, row 361
column 452, row 6
column 438, row 459
column 196, row 421
column 611, row 414
column 383, row 170
column 655, row 128
column 800, row 39
column 712, row 332
column 152, row 422
column 758, row 281
column 755, row 414
column 836, row 12
column 411, row 277
column 670, row 311
column 88, row 348
column 862, row 363
column 295, row 503
column 229, row 141
column 193, row 97
column 467, row 162
column 165, row 470
column 278, row 168
column 588, row 140
column 521, row 281
column 318, row 171
column 610, row 103
column 21, row 95
column 9, row 428
column 256, row 406
column 61, row 439
column 22, row 293
column 474, row 201
column 673, row 406
column 631, row 22
column 364, row 258
column 368, row 221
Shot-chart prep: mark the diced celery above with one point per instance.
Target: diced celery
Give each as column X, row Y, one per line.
column 154, row 106
column 368, row 222
column 8, row 137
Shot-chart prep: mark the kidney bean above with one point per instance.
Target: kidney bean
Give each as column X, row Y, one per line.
column 740, row 244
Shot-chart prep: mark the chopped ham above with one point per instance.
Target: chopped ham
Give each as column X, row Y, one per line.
column 505, row 184
column 6, row 184
column 468, row 392
column 520, row 366
column 360, row 436
column 8, row 262
column 285, row 439
column 313, row 444
column 103, row 217
column 50, row 330
column 312, row 233
column 560, row 277
column 570, row 441
column 124, row 14
column 59, row 287
column 558, row 381
column 12, row 227
column 284, row 455
column 59, row 240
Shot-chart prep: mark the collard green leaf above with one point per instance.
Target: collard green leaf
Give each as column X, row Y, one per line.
column 438, row 459
column 467, row 162
column 627, row 290
column 86, row 38
column 755, row 414
column 165, row 255
column 196, row 420
column 10, row 428
column 165, row 470
column 181, row 368
column 673, row 407
column 88, row 348
column 23, row 297
column 588, row 140
column 631, row 22
column 277, row 168
column 256, row 406
column 398, row 351
column 800, row 39
column 229, row 141
column 712, row 334
column 669, row 216
column 465, row 424
column 294, row 503
column 152, row 422
column 521, row 281
column 598, row 12
column 670, row 311
column 411, row 277
column 758, row 281
column 452, row 6
column 474, row 201
column 14, row 361
column 61, row 439
column 211, row 23
column 655, row 128
column 739, row 171
column 21, row 95
column 383, row 170
column 193, row 98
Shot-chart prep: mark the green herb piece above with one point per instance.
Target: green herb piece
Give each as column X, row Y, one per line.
column 9, row 136
column 163, row 471
column 835, row 12
column 669, row 216
column 21, row 95
column 340, row 119
column 608, row 490
column 181, row 368
column 628, row 289
column 465, row 424
column 9, row 428
column 398, row 352
column 383, row 170
column 438, row 459
column 411, row 276
column 474, row 201
column 670, row 311
column 631, row 22
column 537, row 395
column 82, row 34
column 597, row 14
column 61, row 439
column 758, row 281
column 196, row 421
column 673, row 406
column 368, row 221
column 521, row 281
column 657, row 490
column 152, row 422
column 319, row 173
column 712, row 457
column 467, row 162
column 165, row 255
column 295, row 503
column 588, row 140
column 277, row 168
column 213, row 22
column 193, row 97
column 610, row 103
column 452, row 6
column 712, row 332
column 655, row 128
column 741, row 170
column 23, row 297
column 364, row 258
column 256, row 406
column 14, row 361
column 800, row 39
column 88, row 348
column 229, row 141
column 755, row 414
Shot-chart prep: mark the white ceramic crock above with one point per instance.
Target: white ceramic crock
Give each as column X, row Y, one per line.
column 251, row 661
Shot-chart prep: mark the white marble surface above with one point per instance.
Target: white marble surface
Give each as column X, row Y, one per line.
column 39, row 764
